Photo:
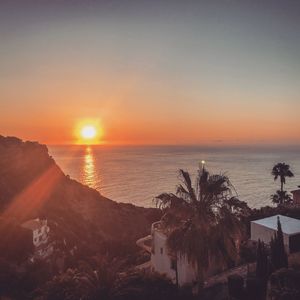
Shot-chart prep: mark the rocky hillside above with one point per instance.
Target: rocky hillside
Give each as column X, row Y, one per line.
column 32, row 185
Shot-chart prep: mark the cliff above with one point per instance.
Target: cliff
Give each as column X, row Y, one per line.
column 32, row 185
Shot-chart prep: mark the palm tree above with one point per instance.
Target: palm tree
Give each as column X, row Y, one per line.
column 281, row 197
column 91, row 280
column 281, row 170
column 203, row 223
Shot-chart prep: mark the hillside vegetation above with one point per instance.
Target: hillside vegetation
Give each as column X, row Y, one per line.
column 32, row 185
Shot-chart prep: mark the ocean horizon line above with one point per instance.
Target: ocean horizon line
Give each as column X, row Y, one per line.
column 205, row 146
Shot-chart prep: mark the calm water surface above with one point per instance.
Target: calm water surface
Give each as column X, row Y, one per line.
column 137, row 174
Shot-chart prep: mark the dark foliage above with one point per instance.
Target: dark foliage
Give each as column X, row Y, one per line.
column 203, row 222
column 284, row 284
column 105, row 283
column 247, row 252
column 255, row 289
column 281, row 198
column 262, row 262
column 279, row 257
column 262, row 268
column 16, row 242
column 236, row 287
column 281, row 171
column 8, row 278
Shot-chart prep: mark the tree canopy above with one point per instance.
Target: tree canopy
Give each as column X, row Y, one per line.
column 203, row 222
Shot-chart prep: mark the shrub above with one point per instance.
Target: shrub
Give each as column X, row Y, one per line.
column 236, row 286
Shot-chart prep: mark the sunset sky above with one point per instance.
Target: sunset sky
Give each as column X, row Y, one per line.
column 151, row 72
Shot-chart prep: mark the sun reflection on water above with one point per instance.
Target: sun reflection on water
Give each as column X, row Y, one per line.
column 89, row 176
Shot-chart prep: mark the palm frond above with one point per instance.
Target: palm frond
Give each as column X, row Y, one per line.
column 206, row 223
column 168, row 200
column 186, row 179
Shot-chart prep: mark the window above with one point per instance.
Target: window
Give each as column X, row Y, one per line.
column 173, row 264
column 161, row 251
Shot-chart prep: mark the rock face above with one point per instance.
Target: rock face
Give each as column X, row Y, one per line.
column 32, row 185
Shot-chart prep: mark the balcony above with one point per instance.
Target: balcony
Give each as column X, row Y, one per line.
column 157, row 226
column 145, row 243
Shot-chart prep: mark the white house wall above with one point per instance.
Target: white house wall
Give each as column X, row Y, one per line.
column 161, row 262
column 265, row 234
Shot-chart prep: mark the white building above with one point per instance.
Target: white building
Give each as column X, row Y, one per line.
column 175, row 267
column 40, row 234
column 264, row 230
column 162, row 261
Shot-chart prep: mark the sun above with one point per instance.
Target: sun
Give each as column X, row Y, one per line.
column 88, row 132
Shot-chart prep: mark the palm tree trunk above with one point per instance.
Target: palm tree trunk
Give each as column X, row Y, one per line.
column 281, row 185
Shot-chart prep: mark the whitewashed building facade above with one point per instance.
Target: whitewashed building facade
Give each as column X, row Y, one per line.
column 162, row 261
column 40, row 237
column 264, row 230
column 175, row 267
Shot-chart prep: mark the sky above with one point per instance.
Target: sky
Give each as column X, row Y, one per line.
column 151, row 72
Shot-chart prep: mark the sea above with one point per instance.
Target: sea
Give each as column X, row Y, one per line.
column 137, row 174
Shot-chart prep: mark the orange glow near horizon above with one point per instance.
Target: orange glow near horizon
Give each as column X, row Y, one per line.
column 188, row 80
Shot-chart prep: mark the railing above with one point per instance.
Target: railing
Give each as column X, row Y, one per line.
column 142, row 243
column 156, row 226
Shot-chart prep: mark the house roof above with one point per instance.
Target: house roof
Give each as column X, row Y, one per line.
column 289, row 225
column 32, row 224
